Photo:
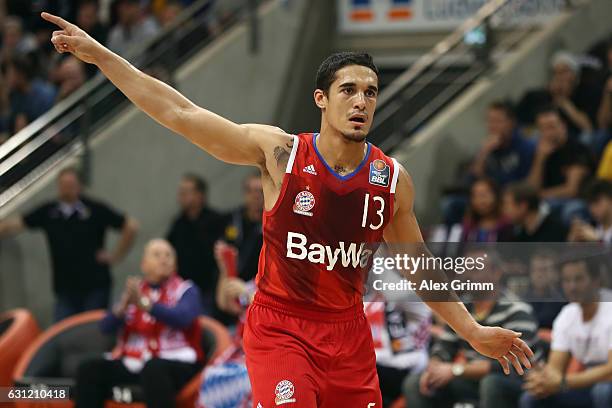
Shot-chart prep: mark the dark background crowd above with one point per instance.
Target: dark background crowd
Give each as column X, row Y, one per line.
column 543, row 172
column 33, row 77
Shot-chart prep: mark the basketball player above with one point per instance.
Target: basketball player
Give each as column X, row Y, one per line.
column 306, row 338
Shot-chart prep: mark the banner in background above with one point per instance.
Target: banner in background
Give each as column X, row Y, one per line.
column 357, row 16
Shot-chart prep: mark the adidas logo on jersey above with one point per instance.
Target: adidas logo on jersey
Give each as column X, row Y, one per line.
column 310, row 169
column 349, row 256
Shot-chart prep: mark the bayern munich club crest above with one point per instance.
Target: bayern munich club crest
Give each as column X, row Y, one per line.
column 284, row 392
column 304, row 202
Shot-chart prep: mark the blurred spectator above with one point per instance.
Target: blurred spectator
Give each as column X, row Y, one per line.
column 133, row 27
column 44, row 58
column 400, row 331
column 4, row 109
column 533, row 222
column 70, row 75
column 169, row 12
column 505, row 156
column 29, row 96
column 193, row 234
column 604, row 114
column 243, row 227
column 484, row 221
column 15, row 42
column 159, row 5
column 243, row 231
column 599, row 197
column 458, row 374
column 604, row 171
column 583, row 331
column 75, row 227
column 159, row 344
column 87, row 19
column 561, row 93
column 544, row 295
column 560, row 167
column 225, row 382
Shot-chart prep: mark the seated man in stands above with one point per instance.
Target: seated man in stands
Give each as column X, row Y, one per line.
column 599, row 197
column 456, row 373
column 505, row 155
column 159, row 342
column 544, row 294
column 401, row 331
column 561, row 163
column 533, row 222
column 563, row 94
column 583, row 330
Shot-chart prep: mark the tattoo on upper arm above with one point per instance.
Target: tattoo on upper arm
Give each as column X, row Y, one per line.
column 282, row 153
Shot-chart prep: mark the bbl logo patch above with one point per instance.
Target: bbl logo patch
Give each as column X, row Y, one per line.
column 284, row 391
column 304, row 202
column 379, row 173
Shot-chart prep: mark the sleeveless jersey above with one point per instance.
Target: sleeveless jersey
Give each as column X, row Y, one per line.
column 321, row 234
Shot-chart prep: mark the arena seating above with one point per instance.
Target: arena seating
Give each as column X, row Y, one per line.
column 54, row 357
column 18, row 329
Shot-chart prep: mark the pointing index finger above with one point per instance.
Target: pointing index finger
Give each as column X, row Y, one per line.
column 55, row 20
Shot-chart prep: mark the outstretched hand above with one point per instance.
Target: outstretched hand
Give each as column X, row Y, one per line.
column 504, row 346
column 72, row 39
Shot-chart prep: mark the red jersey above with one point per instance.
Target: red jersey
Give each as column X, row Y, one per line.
column 319, row 238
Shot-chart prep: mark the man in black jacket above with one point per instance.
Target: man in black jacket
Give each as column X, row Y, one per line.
column 193, row 234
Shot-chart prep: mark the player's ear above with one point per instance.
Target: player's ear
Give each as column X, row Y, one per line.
column 320, row 98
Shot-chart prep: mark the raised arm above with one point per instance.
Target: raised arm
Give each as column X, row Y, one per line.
column 226, row 140
column 494, row 342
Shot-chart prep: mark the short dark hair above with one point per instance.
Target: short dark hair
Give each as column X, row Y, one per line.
column 592, row 264
column 71, row 170
column 199, row 183
column 326, row 74
column 525, row 193
column 505, row 106
column 22, row 64
column 598, row 189
column 548, row 110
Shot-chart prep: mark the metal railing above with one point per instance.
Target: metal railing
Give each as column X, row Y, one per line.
column 66, row 128
column 439, row 76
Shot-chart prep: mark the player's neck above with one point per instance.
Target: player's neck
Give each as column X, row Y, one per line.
column 339, row 152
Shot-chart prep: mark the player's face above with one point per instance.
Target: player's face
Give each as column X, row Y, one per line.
column 158, row 262
column 69, row 187
column 350, row 102
column 578, row 286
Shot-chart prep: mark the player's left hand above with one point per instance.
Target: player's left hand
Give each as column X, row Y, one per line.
column 503, row 345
